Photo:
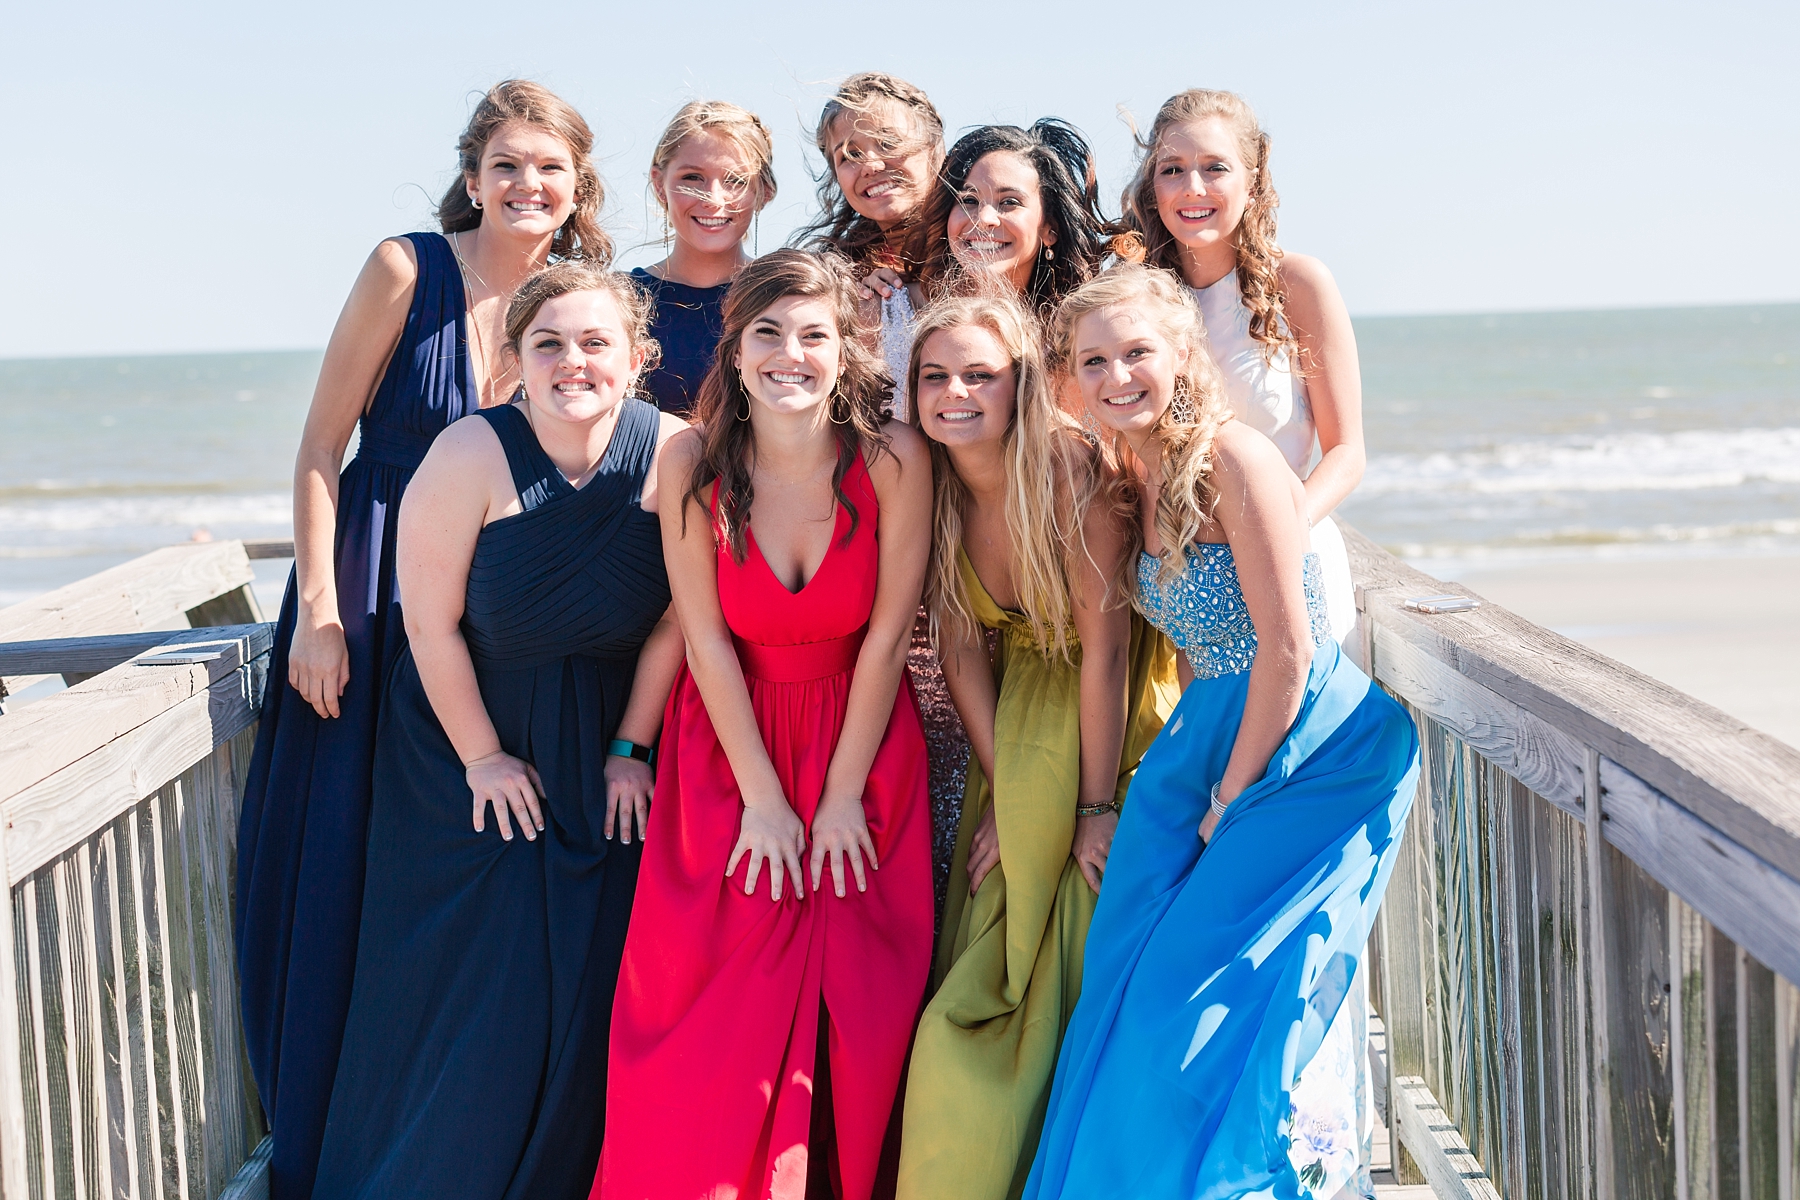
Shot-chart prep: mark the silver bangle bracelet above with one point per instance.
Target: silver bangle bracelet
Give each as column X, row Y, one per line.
column 1218, row 806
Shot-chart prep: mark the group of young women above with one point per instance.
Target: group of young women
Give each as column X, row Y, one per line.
column 588, row 844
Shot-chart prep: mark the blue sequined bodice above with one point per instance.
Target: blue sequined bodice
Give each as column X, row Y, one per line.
column 1202, row 609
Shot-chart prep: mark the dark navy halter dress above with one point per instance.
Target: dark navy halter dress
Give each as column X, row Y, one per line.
column 474, row 1061
column 306, row 796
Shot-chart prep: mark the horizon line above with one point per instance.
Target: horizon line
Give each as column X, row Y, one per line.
column 1471, row 313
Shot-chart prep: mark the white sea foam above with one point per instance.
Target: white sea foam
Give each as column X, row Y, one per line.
column 53, row 515
column 1688, row 460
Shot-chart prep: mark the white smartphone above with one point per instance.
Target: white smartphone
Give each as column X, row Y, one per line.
column 1441, row 604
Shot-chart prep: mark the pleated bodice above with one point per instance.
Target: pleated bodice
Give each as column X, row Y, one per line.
column 579, row 571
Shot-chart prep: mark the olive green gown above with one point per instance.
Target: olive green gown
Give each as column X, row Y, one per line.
column 1008, row 968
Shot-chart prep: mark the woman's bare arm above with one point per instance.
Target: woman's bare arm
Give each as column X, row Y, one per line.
column 771, row 830
column 1103, row 623
column 902, row 482
column 629, row 782
column 1327, row 340
column 1259, row 510
column 463, row 479
column 367, row 331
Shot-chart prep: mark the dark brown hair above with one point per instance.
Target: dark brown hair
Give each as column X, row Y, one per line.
column 722, row 409
column 1067, row 187
column 528, row 103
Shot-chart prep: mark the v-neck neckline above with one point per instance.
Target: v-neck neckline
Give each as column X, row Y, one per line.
column 837, row 519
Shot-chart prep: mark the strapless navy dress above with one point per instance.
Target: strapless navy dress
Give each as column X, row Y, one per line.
column 306, row 795
column 474, row 1060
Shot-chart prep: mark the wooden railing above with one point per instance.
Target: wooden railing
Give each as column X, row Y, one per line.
column 1585, row 966
column 1587, row 958
column 122, row 1069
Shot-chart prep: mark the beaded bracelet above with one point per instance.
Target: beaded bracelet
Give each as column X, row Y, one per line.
column 1096, row 810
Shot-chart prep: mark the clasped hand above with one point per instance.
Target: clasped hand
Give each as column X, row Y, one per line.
column 772, row 833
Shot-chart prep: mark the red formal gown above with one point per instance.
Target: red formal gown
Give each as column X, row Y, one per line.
column 716, row 1025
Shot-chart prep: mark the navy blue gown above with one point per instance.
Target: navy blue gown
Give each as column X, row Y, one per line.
column 474, row 1061
column 306, row 796
column 687, row 324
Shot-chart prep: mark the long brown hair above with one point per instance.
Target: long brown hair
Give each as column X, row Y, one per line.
column 1186, row 430
column 1258, row 253
column 1052, row 480
column 722, row 409
column 532, row 104
column 840, row 227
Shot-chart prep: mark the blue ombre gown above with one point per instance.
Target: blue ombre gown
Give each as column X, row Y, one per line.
column 1211, row 978
column 306, row 795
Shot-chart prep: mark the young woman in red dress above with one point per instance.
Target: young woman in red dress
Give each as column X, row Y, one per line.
column 781, row 937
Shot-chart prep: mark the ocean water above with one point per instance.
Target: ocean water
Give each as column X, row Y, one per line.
column 1667, row 432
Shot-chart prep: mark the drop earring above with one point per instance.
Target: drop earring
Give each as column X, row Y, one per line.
column 1049, row 254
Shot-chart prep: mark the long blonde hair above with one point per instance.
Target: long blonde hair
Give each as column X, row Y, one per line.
column 741, row 127
column 1258, row 253
column 1185, row 431
column 1051, row 481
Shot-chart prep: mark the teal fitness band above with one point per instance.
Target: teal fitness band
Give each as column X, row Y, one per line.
column 625, row 749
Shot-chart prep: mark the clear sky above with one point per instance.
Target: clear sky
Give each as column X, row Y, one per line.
column 191, row 177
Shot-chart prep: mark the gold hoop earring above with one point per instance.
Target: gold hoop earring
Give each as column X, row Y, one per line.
column 835, row 397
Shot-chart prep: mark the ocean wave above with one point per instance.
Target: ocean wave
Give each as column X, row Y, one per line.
column 1776, row 534
column 183, row 512
column 1687, row 460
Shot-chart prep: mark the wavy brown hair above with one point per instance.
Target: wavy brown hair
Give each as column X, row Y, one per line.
column 1258, row 253
column 520, row 100
column 840, row 227
column 1052, row 480
column 1187, row 427
column 722, row 409
column 576, row 275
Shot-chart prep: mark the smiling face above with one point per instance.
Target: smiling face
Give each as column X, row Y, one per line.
column 998, row 222
column 526, row 183
column 1125, row 369
column 968, row 387
column 576, row 358
column 709, row 190
column 880, row 173
column 1202, row 183
column 791, row 354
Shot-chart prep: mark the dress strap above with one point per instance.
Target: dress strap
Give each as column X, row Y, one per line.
column 533, row 474
column 633, row 446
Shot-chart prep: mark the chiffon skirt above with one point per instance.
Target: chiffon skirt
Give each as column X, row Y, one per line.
column 1211, row 978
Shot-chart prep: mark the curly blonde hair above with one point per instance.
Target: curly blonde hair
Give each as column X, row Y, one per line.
column 1258, row 253
column 1052, row 481
column 1185, row 430
column 741, row 127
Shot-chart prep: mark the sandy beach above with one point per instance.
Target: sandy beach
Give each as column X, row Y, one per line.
column 1725, row 630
